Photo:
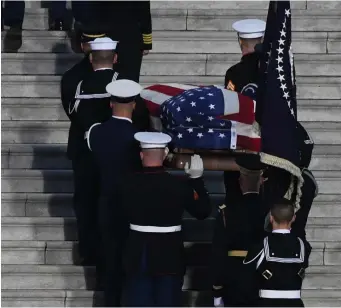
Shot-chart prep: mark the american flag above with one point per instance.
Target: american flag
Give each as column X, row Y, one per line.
column 206, row 117
column 276, row 100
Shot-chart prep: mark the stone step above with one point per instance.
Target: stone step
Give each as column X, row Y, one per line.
column 197, row 254
column 189, row 42
column 51, row 110
column 53, row 156
column 162, row 63
column 54, row 277
column 60, row 181
column 60, row 205
column 49, row 86
column 64, row 229
column 220, row 19
column 32, row 132
column 86, row 298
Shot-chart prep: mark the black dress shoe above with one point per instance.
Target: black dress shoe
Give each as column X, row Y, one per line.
column 58, row 25
column 13, row 39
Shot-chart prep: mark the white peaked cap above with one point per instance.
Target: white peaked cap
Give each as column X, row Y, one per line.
column 250, row 28
column 103, row 43
column 123, row 88
column 152, row 140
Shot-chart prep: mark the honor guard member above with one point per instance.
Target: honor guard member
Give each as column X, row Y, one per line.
column 243, row 76
column 116, row 153
column 238, row 226
column 309, row 189
column 130, row 23
column 84, row 174
column 277, row 264
column 92, row 103
column 155, row 202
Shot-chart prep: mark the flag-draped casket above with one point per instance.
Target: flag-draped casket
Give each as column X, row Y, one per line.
column 203, row 118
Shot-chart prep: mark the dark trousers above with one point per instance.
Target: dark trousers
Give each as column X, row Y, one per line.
column 145, row 290
column 86, row 198
column 113, row 232
column 57, row 10
column 13, row 13
column 264, row 302
column 83, row 11
column 154, row 291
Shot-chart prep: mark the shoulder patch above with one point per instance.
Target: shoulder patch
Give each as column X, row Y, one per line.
column 230, row 86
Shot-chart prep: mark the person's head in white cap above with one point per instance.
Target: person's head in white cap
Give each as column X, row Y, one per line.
column 103, row 53
column 250, row 33
column 123, row 95
column 153, row 148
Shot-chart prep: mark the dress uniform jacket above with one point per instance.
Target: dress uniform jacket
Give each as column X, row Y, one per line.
column 238, row 226
column 116, row 153
column 243, row 77
column 156, row 198
column 69, row 82
column 95, row 106
column 277, row 266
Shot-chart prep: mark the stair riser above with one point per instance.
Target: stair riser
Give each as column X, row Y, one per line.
column 52, row 89
column 58, row 160
column 42, row 134
column 193, row 231
column 150, row 66
column 55, row 256
column 65, row 185
column 300, row 46
column 57, row 113
column 62, row 207
column 75, row 282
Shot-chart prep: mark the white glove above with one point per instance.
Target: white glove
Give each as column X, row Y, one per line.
column 218, row 302
column 197, row 167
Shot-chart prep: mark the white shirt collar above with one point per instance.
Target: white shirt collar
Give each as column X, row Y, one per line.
column 123, row 118
column 103, row 68
column 283, row 231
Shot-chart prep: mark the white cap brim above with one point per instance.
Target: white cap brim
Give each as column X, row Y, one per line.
column 123, row 88
column 103, row 43
column 152, row 140
column 250, row 28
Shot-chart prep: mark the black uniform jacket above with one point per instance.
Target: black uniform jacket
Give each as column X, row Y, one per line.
column 126, row 20
column 243, row 77
column 69, row 83
column 95, row 110
column 154, row 197
column 278, row 263
column 238, row 226
column 115, row 150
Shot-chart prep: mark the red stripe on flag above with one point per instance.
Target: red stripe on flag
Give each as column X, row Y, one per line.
column 167, row 90
column 251, row 144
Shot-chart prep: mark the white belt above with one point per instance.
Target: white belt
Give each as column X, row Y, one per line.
column 288, row 294
column 154, row 229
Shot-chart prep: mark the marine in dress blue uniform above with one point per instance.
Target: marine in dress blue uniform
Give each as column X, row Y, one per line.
column 116, row 153
column 276, row 265
column 154, row 203
column 238, row 226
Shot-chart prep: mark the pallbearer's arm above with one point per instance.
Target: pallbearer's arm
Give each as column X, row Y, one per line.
column 228, row 82
column 141, row 118
column 145, row 19
column 219, row 253
column 197, row 199
column 91, row 136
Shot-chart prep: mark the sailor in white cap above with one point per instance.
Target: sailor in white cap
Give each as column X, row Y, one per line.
column 116, row 153
column 243, row 77
column 155, row 201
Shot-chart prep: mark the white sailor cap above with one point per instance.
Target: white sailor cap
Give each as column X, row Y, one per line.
column 152, row 140
column 123, row 90
column 249, row 28
column 103, row 43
